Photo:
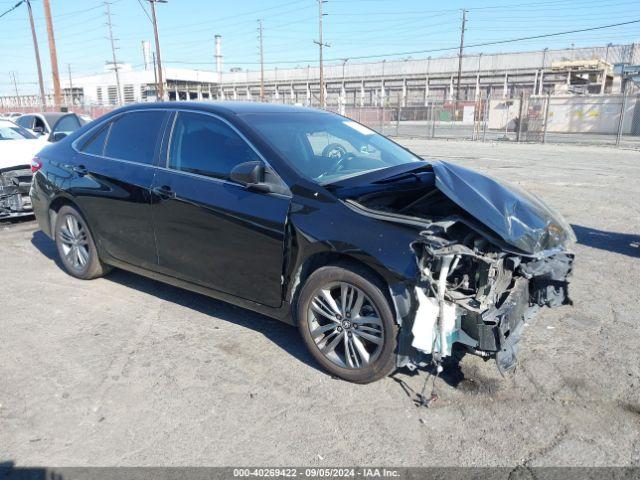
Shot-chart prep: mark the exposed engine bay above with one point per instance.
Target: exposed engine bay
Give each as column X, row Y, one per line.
column 15, row 183
column 477, row 286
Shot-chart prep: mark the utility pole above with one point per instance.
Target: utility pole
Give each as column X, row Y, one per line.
column 43, row 99
column 321, row 44
column 462, row 29
column 57, row 94
column 113, row 51
column 70, row 83
column 261, row 61
column 158, row 57
column 155, row 73
column 15, row 85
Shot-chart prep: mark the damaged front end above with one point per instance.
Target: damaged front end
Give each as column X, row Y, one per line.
column 476, row 294
column 15, row 183
column 489, row 256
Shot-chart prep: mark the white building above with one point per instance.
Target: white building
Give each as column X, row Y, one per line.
column 140, row 86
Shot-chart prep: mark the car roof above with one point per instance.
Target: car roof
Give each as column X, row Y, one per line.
column 227, row 107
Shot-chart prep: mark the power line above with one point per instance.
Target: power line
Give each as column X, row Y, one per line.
column 433, row 50
column 145, row 11
column 12, row 8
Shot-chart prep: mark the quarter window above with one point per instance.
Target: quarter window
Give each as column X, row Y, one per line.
column 95, row 145
column 207, row 146
column 134, row 136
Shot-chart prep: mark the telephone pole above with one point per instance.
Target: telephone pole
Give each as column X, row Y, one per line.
column 321, row 44
column 113, row 51
column 261, row 61
column 70, row 83
column 15, row 85
column 462, row 29
column 43, row 99
column 57, row 94
column 158, row 58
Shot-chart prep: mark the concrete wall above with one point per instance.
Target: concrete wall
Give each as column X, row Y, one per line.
column 573, row 114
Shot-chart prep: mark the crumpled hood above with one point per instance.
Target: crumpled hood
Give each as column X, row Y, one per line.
column 518, row 217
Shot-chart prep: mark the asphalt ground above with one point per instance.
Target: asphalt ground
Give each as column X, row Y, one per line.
column 128, row 371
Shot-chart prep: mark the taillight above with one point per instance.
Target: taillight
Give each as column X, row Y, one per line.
column 36, row 164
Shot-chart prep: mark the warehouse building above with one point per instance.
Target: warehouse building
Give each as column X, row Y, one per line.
column 407, row 82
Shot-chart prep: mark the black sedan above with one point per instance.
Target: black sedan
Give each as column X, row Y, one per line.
column 381, row 259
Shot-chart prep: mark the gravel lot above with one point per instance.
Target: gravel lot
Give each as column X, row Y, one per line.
column 127, row 371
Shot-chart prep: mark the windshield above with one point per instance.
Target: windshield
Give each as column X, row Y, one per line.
column 325, row 147
column 11, row 131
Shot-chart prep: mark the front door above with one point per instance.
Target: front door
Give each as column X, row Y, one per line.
column 212, row 231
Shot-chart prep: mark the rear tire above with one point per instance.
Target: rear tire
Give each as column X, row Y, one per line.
column 347, row 323
column 75, row 245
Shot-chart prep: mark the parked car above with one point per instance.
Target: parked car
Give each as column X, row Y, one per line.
column 17, row 149
column 10, row 115
column 55, row 126
column 381, row 258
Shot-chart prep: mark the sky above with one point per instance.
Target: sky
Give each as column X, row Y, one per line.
column 360, row 30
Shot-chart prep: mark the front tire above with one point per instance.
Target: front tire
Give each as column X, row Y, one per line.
column 347, row 324
column 75, row 245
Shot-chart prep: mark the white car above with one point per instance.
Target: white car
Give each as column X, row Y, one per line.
column 17, row 149
column 52, row 125
column 10, row 115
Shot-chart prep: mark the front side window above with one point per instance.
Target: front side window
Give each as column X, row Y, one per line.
column 325, row 147
column 134, row 136
column 40, row 125
column 204, row 145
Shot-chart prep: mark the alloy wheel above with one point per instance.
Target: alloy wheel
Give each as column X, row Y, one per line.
column 345, row 325
column 74, row 242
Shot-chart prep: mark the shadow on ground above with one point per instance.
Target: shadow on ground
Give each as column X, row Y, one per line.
column 283, row 335
column 623, row 243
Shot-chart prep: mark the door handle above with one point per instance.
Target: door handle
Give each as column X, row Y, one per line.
column 164, row 191
column 80, row 170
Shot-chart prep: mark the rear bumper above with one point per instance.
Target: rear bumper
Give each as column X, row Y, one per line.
column 40, row 204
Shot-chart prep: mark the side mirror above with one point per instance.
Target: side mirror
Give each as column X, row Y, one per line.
column 251, row 175
column 38, row 130
column 57, row 136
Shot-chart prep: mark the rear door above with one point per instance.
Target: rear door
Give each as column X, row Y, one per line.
column 113, row 174
column 210, row 230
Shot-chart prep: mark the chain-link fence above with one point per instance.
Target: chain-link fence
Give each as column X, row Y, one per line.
column 602, row 119
column 579, row 119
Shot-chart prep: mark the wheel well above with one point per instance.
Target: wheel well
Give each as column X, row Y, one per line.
column 54, row 208
column 323, row 259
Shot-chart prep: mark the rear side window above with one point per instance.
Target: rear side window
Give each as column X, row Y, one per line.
column 204, row 145
column 133, row 136
column 95, row 145
column 68, row 123
column 25, row 121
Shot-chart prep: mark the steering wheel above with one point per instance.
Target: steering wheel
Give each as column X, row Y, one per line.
column 337, row 152
column 334, row 150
